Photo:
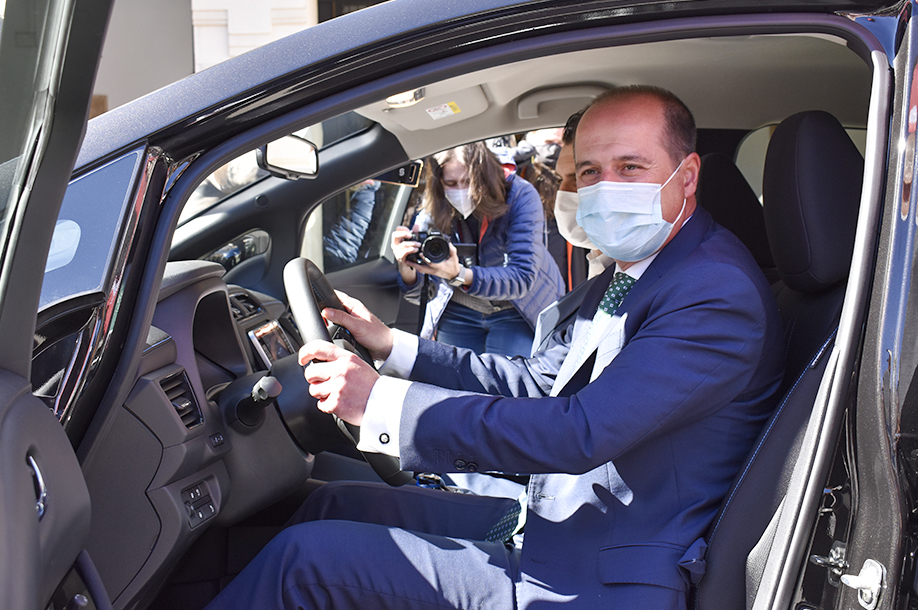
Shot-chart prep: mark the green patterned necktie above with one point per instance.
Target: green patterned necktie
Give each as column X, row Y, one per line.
column 507, row 526
column 619, row 287
column 616, row 292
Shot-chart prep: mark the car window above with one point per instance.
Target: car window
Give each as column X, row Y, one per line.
column 354, row 226
column 25, row 59
column 750, row 157
column 244, row 171
column 87, row 230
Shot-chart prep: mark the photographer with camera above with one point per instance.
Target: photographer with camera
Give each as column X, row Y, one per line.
column 479, row 239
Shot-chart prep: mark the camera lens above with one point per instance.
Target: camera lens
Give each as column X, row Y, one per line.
column 435, row 249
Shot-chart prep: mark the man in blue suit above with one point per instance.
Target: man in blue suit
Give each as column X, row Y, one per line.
column 632, row 422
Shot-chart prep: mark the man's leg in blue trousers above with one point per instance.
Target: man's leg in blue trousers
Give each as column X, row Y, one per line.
column 333, row 563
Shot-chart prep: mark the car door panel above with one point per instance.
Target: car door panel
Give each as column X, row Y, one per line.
column 40, row 544
column 35, row 453
column 375, row 284
column 881, row 446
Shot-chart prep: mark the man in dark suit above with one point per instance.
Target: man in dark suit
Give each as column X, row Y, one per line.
column 632, row 421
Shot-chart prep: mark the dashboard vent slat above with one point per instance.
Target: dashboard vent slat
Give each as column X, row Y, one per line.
column 244, row 306
column 178, row 391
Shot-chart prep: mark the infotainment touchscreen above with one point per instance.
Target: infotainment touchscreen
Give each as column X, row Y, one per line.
column 270, row 342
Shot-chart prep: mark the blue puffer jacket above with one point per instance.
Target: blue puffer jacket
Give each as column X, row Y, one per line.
column 513, row 263
column 342, row 242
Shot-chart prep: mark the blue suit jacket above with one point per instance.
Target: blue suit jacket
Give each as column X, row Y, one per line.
column 629, row 470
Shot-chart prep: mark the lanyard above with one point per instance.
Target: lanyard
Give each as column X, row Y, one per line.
column 464, row 231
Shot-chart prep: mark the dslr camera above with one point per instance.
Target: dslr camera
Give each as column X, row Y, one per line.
column 434, row 247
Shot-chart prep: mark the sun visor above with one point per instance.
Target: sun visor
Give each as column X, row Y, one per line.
column 432, row 112
column 529, row 104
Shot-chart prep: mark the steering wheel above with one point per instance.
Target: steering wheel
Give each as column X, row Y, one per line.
column 308, row 293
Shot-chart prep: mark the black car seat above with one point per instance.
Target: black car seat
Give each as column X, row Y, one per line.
column 812, row 186
column 723, row 191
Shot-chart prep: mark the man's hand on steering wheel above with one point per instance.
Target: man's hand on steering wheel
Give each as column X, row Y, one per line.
column 339, row 379
column 366, row 328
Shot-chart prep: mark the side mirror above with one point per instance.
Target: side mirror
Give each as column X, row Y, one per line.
column 290, row 157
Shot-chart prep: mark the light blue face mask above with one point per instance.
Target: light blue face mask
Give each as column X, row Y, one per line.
column 625, row 219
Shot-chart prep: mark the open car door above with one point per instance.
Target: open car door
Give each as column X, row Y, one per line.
column 49, row 51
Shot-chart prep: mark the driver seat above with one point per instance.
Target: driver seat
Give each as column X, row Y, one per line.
column 811, row 192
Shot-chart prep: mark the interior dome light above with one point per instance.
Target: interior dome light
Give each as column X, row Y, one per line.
column 408, row 98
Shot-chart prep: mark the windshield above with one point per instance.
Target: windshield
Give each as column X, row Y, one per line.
column 87, row 230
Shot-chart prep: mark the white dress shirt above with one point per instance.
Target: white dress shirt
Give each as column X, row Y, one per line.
column 597, row 262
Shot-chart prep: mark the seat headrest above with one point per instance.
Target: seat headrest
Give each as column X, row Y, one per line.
column 723, row 191
column 811, row 190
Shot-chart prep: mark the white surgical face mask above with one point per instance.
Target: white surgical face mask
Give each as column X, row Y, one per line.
column 460, row 199
column 566, row 216
column 625, row 219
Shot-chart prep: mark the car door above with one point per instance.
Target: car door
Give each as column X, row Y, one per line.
column 49, row 52
column 344, row 217
column 850, row 543
column 349, row 235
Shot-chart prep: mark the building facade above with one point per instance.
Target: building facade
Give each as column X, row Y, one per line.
column 152, row 44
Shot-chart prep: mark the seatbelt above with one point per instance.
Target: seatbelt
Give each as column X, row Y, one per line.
column 570, row 270
column 422, row 306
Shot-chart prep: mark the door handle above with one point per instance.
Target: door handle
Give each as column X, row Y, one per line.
column 40, row 490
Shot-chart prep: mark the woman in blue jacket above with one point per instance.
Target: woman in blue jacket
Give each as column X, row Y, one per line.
column 489, row 301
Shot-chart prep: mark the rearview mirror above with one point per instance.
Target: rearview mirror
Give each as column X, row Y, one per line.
column 407, row 174
column 290, row 157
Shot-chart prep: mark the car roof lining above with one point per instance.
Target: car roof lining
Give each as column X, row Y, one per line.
column 815, row 72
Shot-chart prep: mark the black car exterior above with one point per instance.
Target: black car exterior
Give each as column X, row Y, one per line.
column 119, row 330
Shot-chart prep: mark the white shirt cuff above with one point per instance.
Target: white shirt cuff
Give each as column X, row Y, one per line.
column 402, row 357
column 383, row 416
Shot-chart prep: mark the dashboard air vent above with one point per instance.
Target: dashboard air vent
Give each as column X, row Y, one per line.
column 178, row 390
column 244, row 306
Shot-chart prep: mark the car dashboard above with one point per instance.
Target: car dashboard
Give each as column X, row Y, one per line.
column 170, row 465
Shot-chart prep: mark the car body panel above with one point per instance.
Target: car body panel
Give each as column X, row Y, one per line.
column 879, row 442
